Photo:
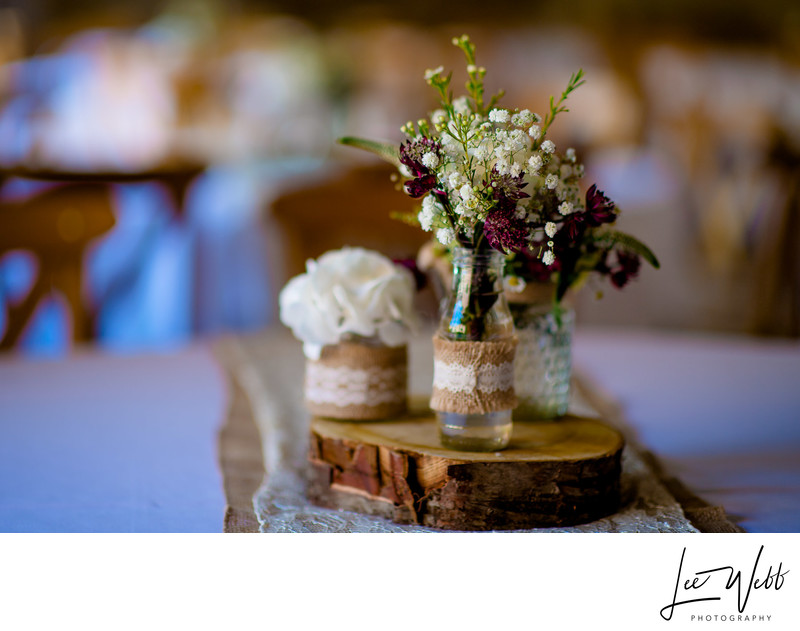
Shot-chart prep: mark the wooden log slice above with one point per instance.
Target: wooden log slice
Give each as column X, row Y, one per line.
column 558, row 473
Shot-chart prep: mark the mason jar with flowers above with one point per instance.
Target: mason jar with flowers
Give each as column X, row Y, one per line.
column 353, row 310
column 489, row 181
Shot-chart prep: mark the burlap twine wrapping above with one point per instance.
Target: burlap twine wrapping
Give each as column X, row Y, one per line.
column 473, row 377
column 357, row 382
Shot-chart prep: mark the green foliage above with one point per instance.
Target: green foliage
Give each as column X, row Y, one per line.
column 385, row 150
column 630, row 243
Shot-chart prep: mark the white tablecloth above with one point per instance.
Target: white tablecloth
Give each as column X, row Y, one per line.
column 111, row 443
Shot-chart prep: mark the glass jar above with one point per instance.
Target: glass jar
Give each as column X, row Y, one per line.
column 544, row 360
column 474, row 353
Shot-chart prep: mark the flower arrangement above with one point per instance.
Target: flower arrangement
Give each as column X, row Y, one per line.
column 349, row 294
column 489, row 178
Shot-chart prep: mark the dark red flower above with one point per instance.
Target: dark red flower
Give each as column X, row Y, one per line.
column 628, row 268
column 599, row 208
column 420, row 186
column 411, row 153
column 504, row 231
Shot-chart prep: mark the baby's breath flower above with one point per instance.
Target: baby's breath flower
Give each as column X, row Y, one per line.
column 520, row 212
column 522, row 118
column 425, row 218
column 534, row 132
column 549, row 258
column 570, row 154
column 445, row 235
column 534, row 163
column 461, row 105
column 499, row 116
column 472, row 68
column 551, row 181
column 438, row 116
column 455, row 180
column 430, row 74
column 565, row 208
column 430, row 160
column 550, row 229
column 548, row 146
column 537, row 118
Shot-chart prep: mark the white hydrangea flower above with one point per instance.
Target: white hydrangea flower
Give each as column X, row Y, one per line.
column 499, row 116
column 548, row 146
column 445, row 235
column 522, row 118
column 549, row 258
column 551, row 181
column 349, row 291
column 565, row 208
column 534, row 132
column 550, row 229
column 430, row 160
column 431, row 73
column 535, row 163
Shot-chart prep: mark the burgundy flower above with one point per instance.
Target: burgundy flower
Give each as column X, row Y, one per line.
column 504, row 231
column 599, row 208
column 418, row 187
column 411, row 153
column 628, row 268
column 507, row 189
column 573, row 227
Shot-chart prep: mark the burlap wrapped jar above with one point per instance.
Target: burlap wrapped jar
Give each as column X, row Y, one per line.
column 357, row 381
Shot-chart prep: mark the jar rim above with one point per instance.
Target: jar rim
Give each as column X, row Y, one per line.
column 462, row 255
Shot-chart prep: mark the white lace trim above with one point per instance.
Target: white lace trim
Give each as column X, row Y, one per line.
column 461, row 378
column 342, row 386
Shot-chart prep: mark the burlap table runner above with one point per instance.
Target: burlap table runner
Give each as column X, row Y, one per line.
column 242, row 458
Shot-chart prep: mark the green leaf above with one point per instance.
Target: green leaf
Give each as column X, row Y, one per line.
column 384, row 150
column 408, row 218
column 631, row 244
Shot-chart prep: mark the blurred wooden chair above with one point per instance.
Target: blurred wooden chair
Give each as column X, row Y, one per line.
column 56, row 226
column 349, row 207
